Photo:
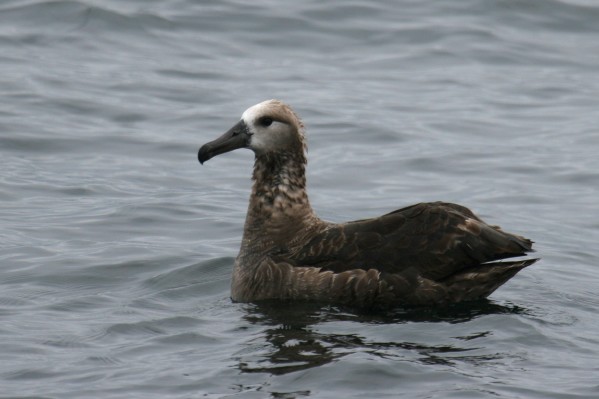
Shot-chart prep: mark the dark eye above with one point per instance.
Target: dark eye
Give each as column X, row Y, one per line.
column 266, row 121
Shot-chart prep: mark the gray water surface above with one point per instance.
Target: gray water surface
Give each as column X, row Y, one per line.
column 116, row 246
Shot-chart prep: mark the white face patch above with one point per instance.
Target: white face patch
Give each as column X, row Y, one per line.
column 273, row 137
column 251, row 115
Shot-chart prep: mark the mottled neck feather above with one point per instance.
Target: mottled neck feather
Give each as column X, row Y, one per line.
column 279, row 212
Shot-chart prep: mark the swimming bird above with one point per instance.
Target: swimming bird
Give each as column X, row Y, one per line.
column 424, row 254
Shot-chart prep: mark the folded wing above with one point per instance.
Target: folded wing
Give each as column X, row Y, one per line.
column 437, row 240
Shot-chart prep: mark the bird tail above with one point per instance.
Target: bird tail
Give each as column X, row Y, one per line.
column 481, row 281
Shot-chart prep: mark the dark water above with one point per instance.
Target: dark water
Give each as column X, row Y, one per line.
column 116, row 246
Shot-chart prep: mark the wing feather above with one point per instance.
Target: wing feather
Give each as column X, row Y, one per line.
column 436, row 239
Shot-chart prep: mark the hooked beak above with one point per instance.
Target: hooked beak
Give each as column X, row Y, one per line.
column 237, row 137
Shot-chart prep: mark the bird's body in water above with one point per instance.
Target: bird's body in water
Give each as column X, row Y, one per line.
column 424, row 254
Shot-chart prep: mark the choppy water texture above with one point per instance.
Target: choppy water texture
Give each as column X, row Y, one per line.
column 116, row 246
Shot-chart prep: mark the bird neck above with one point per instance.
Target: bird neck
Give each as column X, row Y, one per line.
column 279, row 209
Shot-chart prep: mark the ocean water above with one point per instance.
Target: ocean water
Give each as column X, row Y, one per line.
column 116, row 246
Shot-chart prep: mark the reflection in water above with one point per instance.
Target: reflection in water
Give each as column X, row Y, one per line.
column 290, row 343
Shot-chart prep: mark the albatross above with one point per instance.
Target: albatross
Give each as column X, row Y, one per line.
column 425, row 254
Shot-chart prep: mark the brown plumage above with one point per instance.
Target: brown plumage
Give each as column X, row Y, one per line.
column 424, row 254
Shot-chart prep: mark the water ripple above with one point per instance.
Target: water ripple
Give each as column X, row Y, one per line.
column 116, row 246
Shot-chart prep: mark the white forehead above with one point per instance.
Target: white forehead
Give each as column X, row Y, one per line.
column 256, row 111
